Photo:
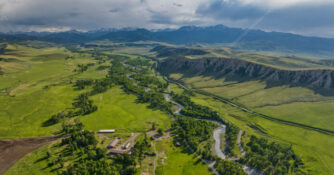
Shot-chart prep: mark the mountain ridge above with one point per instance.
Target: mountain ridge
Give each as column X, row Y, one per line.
column 320, row 81
column 235, row 38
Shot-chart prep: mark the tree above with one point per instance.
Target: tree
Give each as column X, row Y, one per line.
column 160, row 132
column 153, row 126
column 48, row 154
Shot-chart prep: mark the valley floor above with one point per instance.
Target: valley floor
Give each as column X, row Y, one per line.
column 34, row 88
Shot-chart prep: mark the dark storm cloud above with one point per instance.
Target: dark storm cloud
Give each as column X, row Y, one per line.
column 30, row 21
column 177, row 5
column 160, row 18
column 114, row 10
column 231, row 10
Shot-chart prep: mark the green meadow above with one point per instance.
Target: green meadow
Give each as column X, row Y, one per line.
column 294, row 104
column 23, row 115
column 32, row 93
column 39, row 83
column 175, row 161
column 120, row 111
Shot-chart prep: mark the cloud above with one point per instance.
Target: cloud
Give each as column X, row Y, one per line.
column 295, row 16
column 230, row 10
column 277, row 4
column 298, row 16
column 177, row 5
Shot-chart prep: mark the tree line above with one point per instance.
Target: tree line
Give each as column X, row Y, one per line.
column 231, row 135
column 196, row 133
column 81, row 105
column 83, row 67
column 2, row 48
column 119, row 74
column 226, row 167
column 271, row 157
column 195, row 110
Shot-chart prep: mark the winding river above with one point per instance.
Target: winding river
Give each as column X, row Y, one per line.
column 216, row 133
column 217, row 137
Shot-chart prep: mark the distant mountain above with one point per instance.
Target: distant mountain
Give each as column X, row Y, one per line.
column 235, row 38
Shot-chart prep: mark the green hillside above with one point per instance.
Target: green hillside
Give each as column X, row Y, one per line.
column 46, row 89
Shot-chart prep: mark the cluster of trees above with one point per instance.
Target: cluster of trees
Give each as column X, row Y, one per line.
column 82, row 144
column 156, row 100
column 81, row 106
column 139, row 62
column 77, row 137
column 149, row 81
column 271, row 157
column 82, row 84
column 100, row 86
column 195, row 133
column 102, row 67
column 84, row 105
column 231, row 139
column 2, row 48
column 228, row 167
column 142, row 149
column 137, row 85
column 83, row 67
column 56, row 118
column 86, row 167
column 118, row 57
column 194, row 110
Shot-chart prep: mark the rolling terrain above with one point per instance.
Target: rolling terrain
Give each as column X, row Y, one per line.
column 125, row 82
column 305, row 95
column 40, row 83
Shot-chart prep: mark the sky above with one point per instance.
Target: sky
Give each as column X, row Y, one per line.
column 306, row 17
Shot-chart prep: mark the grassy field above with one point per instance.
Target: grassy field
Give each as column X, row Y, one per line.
column 42, row 87
column 31, row 94
column 37, row 84
column 295, row 104
column 117, row 110
column 174, row 161
column 23, row 115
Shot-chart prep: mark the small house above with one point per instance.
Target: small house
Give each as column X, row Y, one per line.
column 113, row 143
column 106, row 131
column 126, row 146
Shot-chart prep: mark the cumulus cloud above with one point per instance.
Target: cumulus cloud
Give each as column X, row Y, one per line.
column 298, row 16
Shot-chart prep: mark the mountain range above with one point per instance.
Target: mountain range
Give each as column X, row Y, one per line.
column 235, row 38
